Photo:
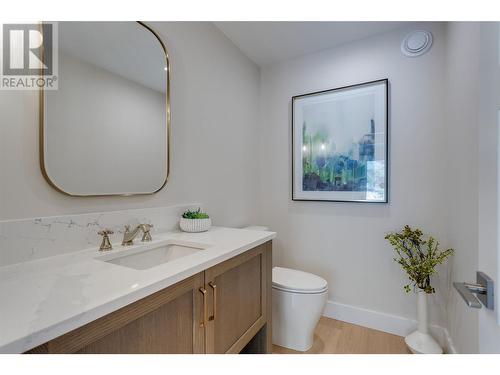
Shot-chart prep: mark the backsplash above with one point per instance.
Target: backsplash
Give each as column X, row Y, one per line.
column 29, row 239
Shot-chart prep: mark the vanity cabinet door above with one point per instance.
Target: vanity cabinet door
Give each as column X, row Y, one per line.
column 168, row 321
column 238, row 301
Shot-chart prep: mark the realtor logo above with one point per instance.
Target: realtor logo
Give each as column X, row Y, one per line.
column 29, row 59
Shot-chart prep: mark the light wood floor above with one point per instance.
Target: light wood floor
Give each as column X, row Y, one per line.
column 336, row 337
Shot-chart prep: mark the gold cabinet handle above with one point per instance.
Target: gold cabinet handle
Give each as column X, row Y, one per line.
column 205, row 312
column 214, row 287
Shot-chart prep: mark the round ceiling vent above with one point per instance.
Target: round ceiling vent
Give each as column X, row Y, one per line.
column 416, row 43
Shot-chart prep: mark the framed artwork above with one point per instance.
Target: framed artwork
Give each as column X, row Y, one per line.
column 340, row 144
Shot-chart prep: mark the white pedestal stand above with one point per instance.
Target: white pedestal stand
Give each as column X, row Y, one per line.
column 420, row 342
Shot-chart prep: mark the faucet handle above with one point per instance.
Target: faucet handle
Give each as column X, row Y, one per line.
column 146, row 236
column 105, row 232
column 105, row 243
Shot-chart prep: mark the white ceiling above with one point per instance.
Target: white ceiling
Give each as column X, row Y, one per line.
column 269, row 42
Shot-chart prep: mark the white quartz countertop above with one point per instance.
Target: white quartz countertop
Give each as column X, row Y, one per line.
column 43, row 299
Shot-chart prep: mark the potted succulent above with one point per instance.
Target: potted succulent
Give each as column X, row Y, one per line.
column 195, row 221
column 419, row 258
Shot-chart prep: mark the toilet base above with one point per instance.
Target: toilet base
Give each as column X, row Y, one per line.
column 295, row 317
column 302, row 346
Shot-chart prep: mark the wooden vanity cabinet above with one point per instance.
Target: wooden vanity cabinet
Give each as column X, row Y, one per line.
column 224, row 309
column 159, row 323
column 239, row 302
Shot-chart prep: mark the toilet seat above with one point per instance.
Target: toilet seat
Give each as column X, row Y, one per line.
column 294, row 281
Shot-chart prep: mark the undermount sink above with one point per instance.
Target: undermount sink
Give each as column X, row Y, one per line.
column 149, row 256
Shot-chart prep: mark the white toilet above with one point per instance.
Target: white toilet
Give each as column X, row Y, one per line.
column 298, row 301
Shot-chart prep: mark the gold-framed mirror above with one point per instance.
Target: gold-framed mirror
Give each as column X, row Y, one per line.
column 105, row 130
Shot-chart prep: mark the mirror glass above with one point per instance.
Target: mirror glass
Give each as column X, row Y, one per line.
column 105, row 130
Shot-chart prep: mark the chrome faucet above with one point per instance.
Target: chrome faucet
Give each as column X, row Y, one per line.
column 128, row 236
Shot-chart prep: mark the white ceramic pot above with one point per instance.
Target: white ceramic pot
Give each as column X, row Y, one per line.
column 420, row 341
column 195, row 225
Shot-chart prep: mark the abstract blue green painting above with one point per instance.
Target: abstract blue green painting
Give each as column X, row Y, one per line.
column 340, row 144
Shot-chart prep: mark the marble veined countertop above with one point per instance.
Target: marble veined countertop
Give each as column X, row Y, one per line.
column 45, row 298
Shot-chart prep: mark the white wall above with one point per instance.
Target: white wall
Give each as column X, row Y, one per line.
column 488, row 182
column 214, row 144
column 461, row 121
column 344, row 242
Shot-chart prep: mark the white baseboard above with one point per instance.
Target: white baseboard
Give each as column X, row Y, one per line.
column 394, row 324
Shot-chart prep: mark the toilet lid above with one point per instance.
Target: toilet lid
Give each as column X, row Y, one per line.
column 297, row 281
